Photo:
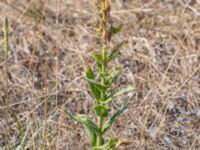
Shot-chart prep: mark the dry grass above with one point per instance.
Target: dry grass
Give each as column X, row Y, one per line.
column 50, row 42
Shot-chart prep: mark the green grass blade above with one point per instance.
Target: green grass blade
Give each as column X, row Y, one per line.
column 6, row 31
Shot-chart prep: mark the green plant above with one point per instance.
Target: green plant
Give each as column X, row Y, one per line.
column 6, row 50
column 102, row 90
column 8, row 110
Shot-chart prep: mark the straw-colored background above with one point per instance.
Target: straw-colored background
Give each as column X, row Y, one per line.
column 50, row 46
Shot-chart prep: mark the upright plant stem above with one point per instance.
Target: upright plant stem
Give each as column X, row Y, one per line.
column 104, row 21
column 6, row 49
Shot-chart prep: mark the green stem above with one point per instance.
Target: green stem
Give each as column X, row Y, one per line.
column 100, row 119
column 104, row 20
column 100, row 137
column 6, row 49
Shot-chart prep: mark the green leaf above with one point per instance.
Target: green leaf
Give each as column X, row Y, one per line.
column 90, row 73
column 107, row 103
column 91, row 128
column 101, row 111
column 115, row 51
column 94, row 90
column 110, row 96
column 113, row 75
column 115, row 30
column 123, row 91
column 83, row 119
column 108, row 123
column 97, row 84
column 91, row 135
column 98, row 57
column 99, row 65
column 110, row 145
column 104, row 74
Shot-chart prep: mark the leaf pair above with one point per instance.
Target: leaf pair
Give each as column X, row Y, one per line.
column 111, row 78
column 111, row 144
column 102, row 111
column 115, row 52
column 111, row 96
column 91, row 128
column 98, row 57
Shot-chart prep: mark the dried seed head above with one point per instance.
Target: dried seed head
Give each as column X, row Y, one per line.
column 107, row 5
